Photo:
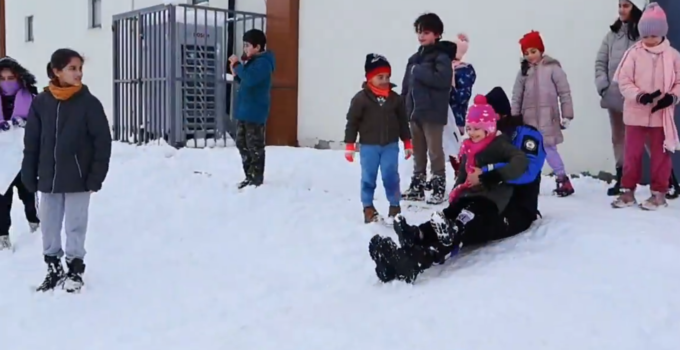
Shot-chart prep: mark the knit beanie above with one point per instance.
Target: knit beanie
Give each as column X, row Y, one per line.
column 532, row 40
column 481, row 115
column 653, row 21
column 640, row 4
column 376, row 64
column 498, row 100
column 255, row 37
column 462, row 43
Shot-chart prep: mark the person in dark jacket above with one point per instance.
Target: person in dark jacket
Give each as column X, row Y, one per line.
column 377, row 115
column 253, row 102
column 426, row 90
column 67, row 149
column 17, row 89
column 474, row 215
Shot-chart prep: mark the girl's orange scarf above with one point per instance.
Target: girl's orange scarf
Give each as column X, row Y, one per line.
column 63, row 93
column 470, row 149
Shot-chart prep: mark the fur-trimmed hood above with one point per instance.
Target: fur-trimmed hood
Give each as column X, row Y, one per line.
column 27, row 79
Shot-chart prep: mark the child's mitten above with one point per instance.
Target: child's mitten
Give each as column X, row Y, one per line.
column 647, row 99
column 19, row 121
column 5, row 126
column 350, row 150
column 565, row 123
column 666, row 101
column 408, row 149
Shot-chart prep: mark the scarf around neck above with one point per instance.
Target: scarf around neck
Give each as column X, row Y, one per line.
column 22, row 102
column 63, row 93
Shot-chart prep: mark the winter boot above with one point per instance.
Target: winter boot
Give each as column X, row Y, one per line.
column 408, row 235
column 383, row 270
column 656, row 201
column 616, row 189
column 74, row 278
column 416, row 191
column 673, row 187
column 5, row 126
column 5, row 243
column 445, row 230
column 371, row 215
column 245, row 183
column 393, row 211
column 438, row 191
column 563, row 186
column 55, row 274
column 391, row 261
column 625, row 199
column 34, row 226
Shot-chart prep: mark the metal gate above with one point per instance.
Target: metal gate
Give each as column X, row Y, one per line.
column 170, row 78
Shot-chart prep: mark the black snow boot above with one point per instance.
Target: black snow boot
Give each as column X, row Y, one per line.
column 74, row 278
column 245, row 183
column 673, row 187
column 391, row 261
column 616, row 189
column 415, row 191
column 438, row 196
column 408, row 235
column 55, row 274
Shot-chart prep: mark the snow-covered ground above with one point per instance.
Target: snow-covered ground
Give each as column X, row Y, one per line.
column 179, row 259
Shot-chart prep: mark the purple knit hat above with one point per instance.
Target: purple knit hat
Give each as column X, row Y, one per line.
column 653, row 21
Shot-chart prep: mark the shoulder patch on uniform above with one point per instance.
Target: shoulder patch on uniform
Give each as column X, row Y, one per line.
column 530, row 145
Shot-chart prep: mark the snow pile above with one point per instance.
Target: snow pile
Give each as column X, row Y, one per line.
column 179, row 259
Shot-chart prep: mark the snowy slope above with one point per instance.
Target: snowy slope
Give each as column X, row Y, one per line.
column 179, row 259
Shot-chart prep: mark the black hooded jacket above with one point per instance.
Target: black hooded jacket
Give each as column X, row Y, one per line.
column 67, row 144
column 26, row 79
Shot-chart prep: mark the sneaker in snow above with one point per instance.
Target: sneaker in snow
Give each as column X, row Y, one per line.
column 673, row 187
column 55, row 274
column 625, row 199
column 74, row 278
column 19, row 122
column 34, row 226
column 5, row 243
column 656, row 201
column 5, row 126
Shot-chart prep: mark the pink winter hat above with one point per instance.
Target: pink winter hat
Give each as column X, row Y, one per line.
column 462, row 42
column 481, row 115
column 653, row 21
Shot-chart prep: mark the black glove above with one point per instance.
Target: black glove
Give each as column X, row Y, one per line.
column 666, row 101
column 647, row 99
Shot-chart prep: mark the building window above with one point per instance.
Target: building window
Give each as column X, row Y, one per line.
column 29, row 29
column 95, row 13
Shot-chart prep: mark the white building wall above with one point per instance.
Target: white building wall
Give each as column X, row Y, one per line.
column 52, row 31
column 335, row 36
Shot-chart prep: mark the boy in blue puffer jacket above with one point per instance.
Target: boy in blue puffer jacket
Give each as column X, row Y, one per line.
column 253, row 101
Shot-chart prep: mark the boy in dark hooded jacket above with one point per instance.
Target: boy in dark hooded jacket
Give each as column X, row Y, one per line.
column 426, row 90
column 17, row 90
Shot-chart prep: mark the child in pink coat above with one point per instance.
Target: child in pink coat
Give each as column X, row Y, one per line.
column 649, row 80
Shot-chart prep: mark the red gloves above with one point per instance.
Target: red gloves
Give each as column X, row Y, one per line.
column 350, row 150
column 408, row 149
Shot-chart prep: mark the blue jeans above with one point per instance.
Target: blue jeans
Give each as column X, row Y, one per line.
column 385, row 158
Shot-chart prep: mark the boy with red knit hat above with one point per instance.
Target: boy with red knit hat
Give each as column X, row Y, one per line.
column 377, row 115
column 542, row 96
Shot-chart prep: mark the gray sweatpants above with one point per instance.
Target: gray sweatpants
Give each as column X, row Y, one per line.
column 70, row 211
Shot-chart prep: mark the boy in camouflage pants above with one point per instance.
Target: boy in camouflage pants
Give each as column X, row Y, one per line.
column 254, row 75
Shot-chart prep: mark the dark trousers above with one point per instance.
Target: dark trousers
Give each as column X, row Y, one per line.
column 250, row 141
column 30, row 205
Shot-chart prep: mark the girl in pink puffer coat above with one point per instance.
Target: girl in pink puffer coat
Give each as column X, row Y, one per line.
column 542, row 96
column 649, row 80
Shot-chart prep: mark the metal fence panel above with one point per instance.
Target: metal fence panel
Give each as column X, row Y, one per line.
column 170, row 73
